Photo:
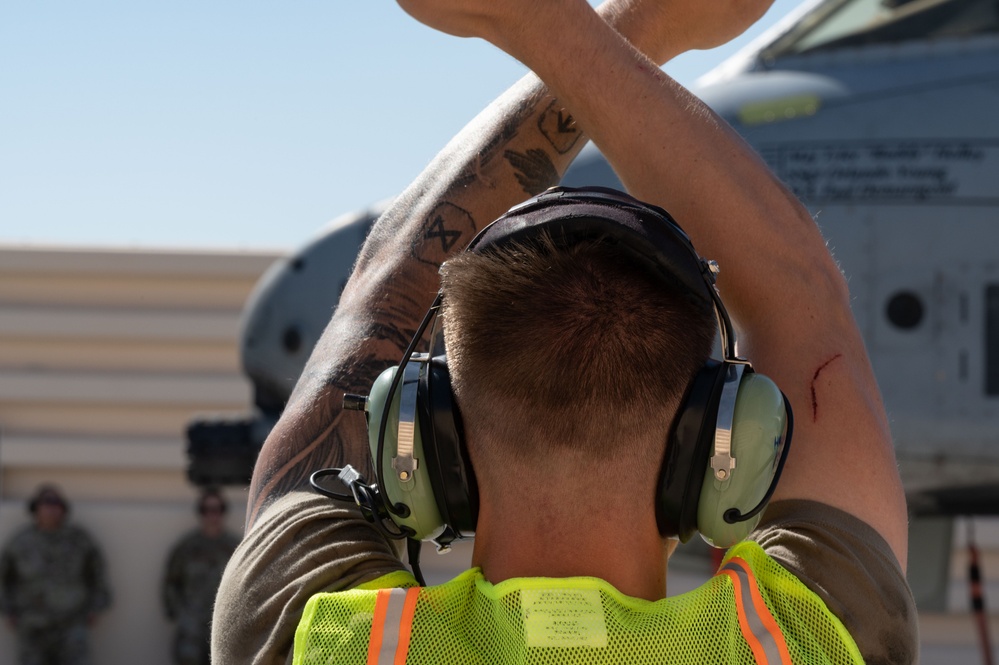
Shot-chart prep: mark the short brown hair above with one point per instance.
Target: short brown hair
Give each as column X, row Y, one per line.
column 556, row 350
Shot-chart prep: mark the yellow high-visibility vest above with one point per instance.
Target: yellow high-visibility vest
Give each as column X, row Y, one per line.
column 751, row 611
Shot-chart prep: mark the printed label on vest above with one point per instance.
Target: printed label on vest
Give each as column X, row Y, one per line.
column 563, row 618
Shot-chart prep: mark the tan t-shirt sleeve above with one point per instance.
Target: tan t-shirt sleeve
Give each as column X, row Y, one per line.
column 850, row 566
column 302, row 544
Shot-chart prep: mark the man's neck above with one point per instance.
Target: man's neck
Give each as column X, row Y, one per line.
column 532, row 542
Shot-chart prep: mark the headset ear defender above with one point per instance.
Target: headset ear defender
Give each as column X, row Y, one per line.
column 405, row 481
column 725, row 454
column 760, row 423
column 425, row 478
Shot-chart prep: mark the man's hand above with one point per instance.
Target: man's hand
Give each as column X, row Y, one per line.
column 661, row 29
column 492, row 20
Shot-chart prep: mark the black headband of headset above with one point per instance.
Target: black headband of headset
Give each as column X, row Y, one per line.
column 572, row 215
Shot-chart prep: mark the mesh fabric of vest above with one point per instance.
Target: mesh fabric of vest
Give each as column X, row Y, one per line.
column 546, row 621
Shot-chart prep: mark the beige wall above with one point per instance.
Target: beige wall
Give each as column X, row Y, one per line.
column 105, row 355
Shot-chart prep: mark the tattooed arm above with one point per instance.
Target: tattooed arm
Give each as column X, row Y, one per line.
column 517, row 147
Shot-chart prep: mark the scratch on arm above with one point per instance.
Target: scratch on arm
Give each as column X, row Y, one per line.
column 815, row 378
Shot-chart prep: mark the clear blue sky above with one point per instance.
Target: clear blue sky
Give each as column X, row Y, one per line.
column 230, row 124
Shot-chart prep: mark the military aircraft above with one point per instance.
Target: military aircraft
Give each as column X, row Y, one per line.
column 881, row 116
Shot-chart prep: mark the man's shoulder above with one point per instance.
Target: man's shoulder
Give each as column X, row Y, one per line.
column 194, row 543
column 23, row 532
column 24, row 535
column 186, row 540
column 798, row 531
column 851, row 567
column 231, row 539
column 77, row 534
column 300, row 545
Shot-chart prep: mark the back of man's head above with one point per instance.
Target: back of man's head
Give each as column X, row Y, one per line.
column 564, row 360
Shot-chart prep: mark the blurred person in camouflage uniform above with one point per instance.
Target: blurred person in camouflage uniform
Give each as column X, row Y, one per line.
column 53, row 584
column 193, row 571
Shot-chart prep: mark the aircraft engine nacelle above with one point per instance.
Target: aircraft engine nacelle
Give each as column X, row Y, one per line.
column 282, row 321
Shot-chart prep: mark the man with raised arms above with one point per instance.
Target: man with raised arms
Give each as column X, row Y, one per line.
column 569, row 363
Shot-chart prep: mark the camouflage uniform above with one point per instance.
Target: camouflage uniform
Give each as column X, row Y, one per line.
column 51, row 583
column 193, row 572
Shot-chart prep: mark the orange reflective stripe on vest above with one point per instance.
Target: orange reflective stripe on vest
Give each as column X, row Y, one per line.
column 759, row 627
column 392, row 626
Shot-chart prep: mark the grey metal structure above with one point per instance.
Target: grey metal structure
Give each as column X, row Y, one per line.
column 292, row 303
column 282, row 321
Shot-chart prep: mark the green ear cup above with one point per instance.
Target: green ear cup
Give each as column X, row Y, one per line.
column 758, row 428
column 414, row 492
